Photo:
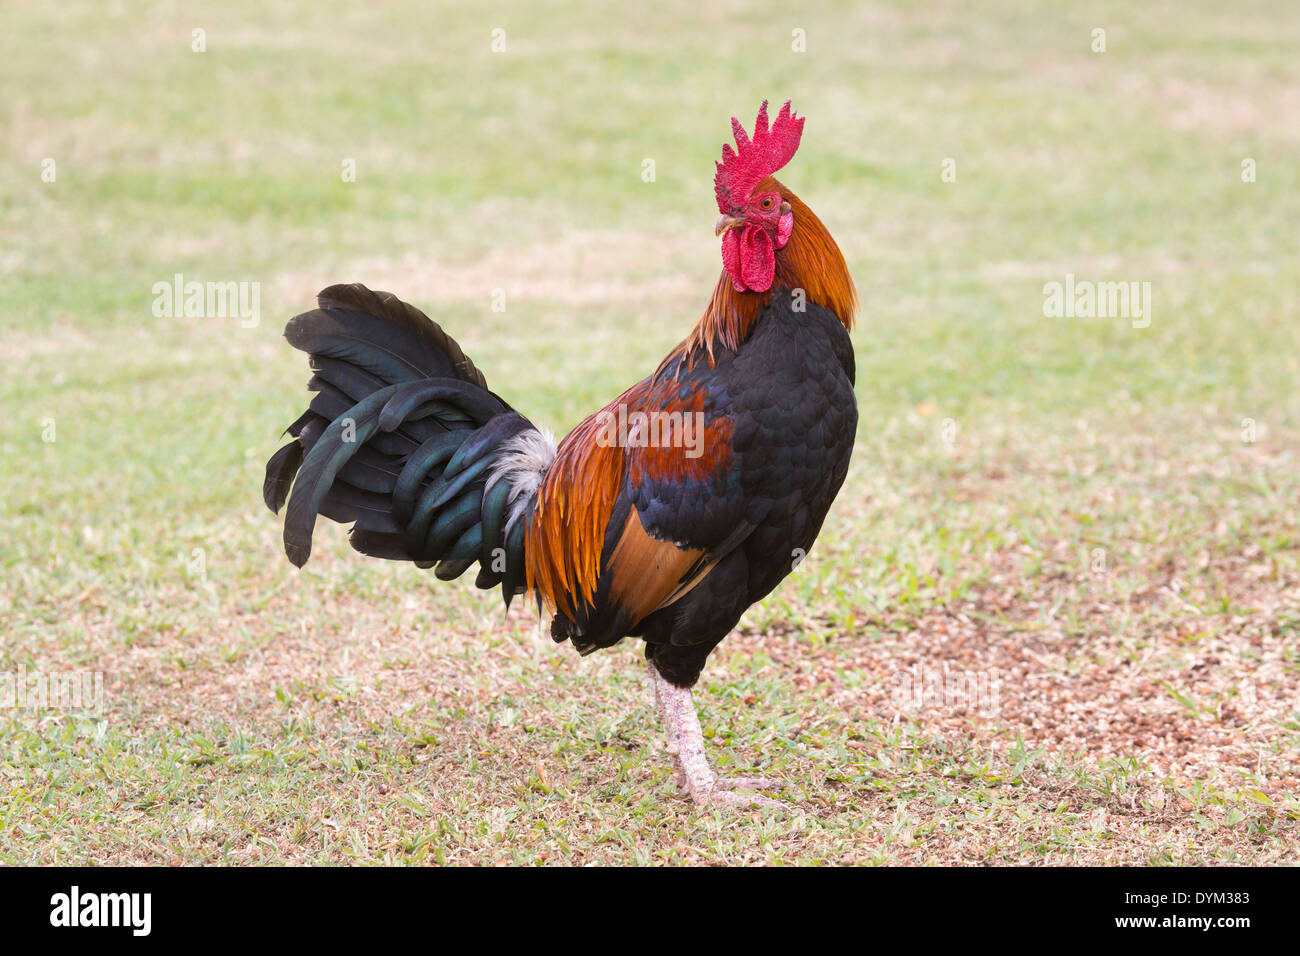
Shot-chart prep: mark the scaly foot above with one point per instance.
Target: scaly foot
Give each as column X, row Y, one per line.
column 690, row 766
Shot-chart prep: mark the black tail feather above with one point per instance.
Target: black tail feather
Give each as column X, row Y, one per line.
column 279, row 475
column 399, row 439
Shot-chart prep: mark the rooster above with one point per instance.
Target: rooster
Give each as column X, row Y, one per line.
column 663, row 516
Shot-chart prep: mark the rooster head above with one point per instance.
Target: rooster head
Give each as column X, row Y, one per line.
column 756, row 220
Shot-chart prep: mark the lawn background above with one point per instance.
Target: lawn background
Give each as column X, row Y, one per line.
column 1099, row 517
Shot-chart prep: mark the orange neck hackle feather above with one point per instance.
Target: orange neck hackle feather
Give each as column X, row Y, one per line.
column 811, row 260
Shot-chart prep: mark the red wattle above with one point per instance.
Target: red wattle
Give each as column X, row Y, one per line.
column 731, row 258
column 749, row 258
column 757, row 259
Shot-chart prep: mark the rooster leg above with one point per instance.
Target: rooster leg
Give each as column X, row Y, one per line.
column 673, row 745
column 691, row 766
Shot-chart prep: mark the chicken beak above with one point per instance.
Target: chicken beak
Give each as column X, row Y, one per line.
column 728, row 222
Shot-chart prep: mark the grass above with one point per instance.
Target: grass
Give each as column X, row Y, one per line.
column 1096, row 520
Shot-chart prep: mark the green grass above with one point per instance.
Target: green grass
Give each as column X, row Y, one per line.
column 1098, row 536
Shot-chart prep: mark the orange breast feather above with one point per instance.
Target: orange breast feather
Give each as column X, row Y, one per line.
column 566, row 538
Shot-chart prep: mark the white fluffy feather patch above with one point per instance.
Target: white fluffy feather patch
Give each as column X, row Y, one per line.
column 522, row 464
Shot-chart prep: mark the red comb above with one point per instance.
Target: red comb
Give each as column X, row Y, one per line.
column 757, row 157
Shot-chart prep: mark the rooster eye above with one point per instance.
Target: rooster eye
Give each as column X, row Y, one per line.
column 766, row 203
